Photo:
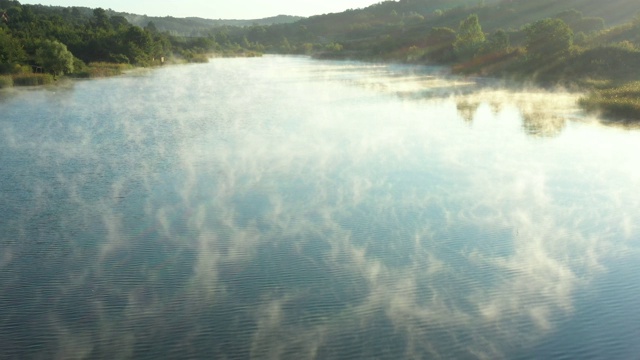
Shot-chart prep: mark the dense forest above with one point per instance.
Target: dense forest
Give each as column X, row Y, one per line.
column 577, row 43
column 39, row 43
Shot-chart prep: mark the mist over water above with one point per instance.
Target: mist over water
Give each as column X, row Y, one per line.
column 286, row 208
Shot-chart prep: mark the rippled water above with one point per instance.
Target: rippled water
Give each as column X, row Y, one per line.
column 286, row 208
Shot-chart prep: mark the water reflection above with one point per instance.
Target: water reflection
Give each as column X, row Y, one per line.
column 168, row 218
column 544, row 113
column 542, row 124
column 467, row 110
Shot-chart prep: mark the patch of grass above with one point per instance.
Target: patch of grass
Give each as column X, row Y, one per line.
column 102, row 69
column 242, row 53
column 619, row 102
column 32, row 79
column 6, row 81
column 199, row 58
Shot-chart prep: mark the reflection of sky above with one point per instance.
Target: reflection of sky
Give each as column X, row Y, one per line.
column 284, row 208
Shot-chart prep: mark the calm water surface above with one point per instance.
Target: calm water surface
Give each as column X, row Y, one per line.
column 286, row 208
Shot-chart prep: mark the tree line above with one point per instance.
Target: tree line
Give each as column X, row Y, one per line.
column 64, row 40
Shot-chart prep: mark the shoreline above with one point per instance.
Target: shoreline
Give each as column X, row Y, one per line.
column 609, row 107
column 613, row 100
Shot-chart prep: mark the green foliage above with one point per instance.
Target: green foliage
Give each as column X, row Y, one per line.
column 548, row 38
column 470, row 37
column 11, row 52
column 62, row 40
column 578, row 23
column 54, row 57
column 151, row 27
column 440, row 44
column 618, row 62
column 6, row 81
column 101, row 19
column 103, row 69
column 285, row 46
column 333, row 47
column 32, row 79
column 498, row 42
column 413, row 18
column 194, row 57
column 621, row 102
column 137, row 45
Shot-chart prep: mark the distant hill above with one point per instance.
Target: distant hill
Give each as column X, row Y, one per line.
column 195, row 26
column 421, row 15
column 190, row 26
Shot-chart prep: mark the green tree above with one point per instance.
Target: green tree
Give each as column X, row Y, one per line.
column 54, row 57
column 548, row 38
column 11, row 52
column 151, row 27
column 118, row 22
column 101, row 19
column 285, row 46
column 139, row 45
column 440, row 44
column 498, row 42
column 470, row 36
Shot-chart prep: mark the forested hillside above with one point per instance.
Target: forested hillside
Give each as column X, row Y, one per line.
column 55, row 41
column 194, row 26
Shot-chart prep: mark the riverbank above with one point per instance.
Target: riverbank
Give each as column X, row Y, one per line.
column 606, row 75
column 107, row 69
column 620, row 102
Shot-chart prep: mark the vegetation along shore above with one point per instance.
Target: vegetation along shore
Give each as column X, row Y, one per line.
column 573, row 43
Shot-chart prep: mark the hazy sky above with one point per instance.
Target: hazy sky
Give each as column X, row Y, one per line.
column 216, row 9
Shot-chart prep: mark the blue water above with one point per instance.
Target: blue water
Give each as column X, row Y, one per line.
column 289, row 208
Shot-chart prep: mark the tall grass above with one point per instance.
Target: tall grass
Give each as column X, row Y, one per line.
column 102, row 69
column 6, row 81
column 620, row 102
column 32, row 79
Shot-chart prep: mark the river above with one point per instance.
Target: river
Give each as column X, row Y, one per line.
column 290, row 208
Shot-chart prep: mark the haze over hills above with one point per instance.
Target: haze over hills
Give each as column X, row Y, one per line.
column 504, row 14
column 419, row 15
column 195, row 26
column 494, row 14
column 189, row 26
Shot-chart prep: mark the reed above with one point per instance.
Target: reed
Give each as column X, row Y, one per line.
column 32, row 79
column 620, row 102
column 6, row 81
column 102, row 69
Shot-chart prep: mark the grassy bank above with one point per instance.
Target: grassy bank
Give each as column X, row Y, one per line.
column 32, row 79
column 101, row 69
column 622, row 102
column 6, row 81
column 107, row 69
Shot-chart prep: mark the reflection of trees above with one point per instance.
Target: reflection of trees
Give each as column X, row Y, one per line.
column 541, row 124
column 496, row 107
column 467, row 109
